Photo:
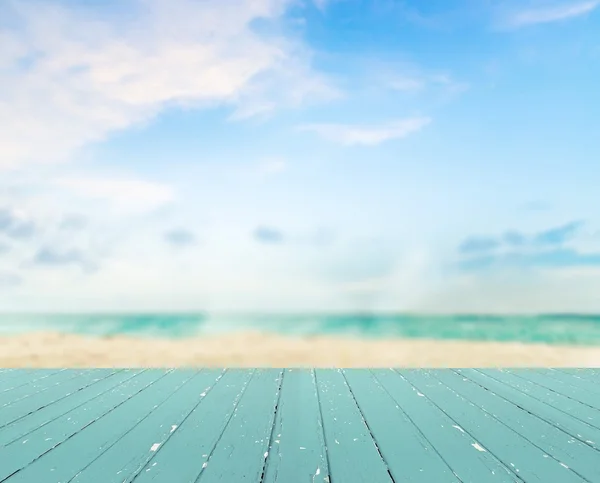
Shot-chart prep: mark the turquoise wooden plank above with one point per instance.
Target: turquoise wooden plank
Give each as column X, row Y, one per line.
column 565, row 404
column 593, row 374
column 24, row 377
column 590, row 384
column 529, row 462
column 410, row 457
column 352, row 451
column 154, row 412
column 574, row 427
column 299, row 446
column 577, row 393
column 33, row 413
column 128, row 456
column 191, row 443
column 19, row 453
column 242, row 450
column 453, row 443
column 554, row 441
column 35, row 387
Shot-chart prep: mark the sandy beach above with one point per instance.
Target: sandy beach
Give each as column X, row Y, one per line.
column 270, row 350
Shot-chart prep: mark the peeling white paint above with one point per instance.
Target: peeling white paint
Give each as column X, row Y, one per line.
column 478, row 447
column 173, row 427
column 564, row 465
column 459, row 428
column 420, row 395
column 155, row 446
column 302, row 447
column 266, row 454
column 205, row 465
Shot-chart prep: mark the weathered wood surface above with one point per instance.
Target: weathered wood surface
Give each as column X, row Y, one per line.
column 299, row 425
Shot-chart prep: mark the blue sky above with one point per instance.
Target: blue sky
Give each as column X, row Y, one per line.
column 287, row 155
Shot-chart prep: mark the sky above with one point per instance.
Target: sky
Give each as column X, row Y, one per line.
column 300, row 155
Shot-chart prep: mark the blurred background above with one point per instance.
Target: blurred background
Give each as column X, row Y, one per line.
column 228, row 178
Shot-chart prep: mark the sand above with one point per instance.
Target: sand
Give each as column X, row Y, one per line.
column 270, row 350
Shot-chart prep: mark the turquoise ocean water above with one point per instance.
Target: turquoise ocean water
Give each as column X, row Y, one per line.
column 553, row 328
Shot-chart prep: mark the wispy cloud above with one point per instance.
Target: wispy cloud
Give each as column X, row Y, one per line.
column 478, row 244
column 272, row 166
column 552, row 13
column 9, row 279
column 351, row 135
column 14, row 225
column 266, row 234
column 180, row 237
column 71, row 76
column 546, row 248
column 127, row 194
column 55, row 257
column 558, row 235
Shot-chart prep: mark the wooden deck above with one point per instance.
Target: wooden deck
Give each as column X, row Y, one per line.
column 292, row 425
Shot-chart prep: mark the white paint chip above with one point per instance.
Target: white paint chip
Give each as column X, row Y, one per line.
column 155, row 446
column 459, row 428
column 173, row 427
column 478, row 447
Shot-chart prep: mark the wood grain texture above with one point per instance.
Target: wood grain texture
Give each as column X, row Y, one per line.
column 299, row 425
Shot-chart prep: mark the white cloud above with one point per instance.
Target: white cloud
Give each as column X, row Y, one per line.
column 349, row 135
column 401, row 83
column 554, row 13
column 273, row 166
column 127, row 194
column 73, row 75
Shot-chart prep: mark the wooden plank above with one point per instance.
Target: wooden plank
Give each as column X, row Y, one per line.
column 571, row 391
column 593, row 374
column 529, row 462
column 19, row 453
column 298, row 449
column 128, row 455
column 20, row 419
column 586, row 383
column 242, row 450
column 24, row 377
column 453, row 443
column 152, row 413
column 554, row 441
column 38, row 386
column 563, row 403
column 353, row 453
column 192, row 442
column 576, row 428
column 409, row 454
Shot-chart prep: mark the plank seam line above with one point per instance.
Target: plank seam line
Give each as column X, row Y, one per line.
column 137, row 472
column 507, row 467
column 555, row 391
column 380, row 384
column 570, row 382
column 513, row 430
column 66, row 412
column 233, row 411
column 554, row 425
column 32, row 380
column 322, row 425
column 587, row 376
column 541, row 400
column 362, row 416
column 36, row 393
column 140, row 422
column 271, row 436
column 84, row 427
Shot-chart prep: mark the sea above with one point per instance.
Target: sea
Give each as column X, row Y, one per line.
column 576, row 329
